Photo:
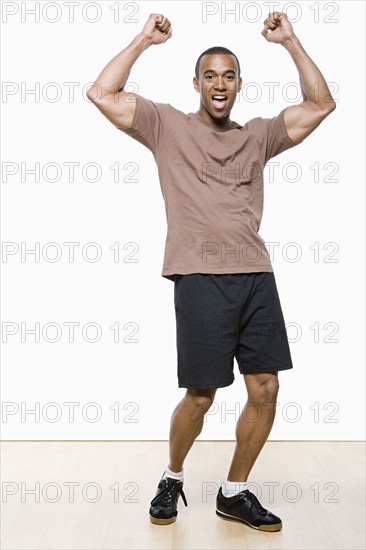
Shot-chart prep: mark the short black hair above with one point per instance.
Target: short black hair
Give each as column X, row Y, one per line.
column 215, row 49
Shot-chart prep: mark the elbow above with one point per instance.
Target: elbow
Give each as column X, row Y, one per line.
column 325, row 109
column 329, row 107
column 92, row 93
column 322, row 109
column 95, row 93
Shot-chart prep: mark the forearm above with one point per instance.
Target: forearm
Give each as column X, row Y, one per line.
column 114, row 76
column 313, row 85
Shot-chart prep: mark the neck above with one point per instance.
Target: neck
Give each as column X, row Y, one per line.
column 214, row 121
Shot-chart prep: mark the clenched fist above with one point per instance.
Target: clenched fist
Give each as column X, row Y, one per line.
column 157, row 28
column 277, row 28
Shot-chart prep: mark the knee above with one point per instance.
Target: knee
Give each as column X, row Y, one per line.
column 201, row 399
column 264, row 388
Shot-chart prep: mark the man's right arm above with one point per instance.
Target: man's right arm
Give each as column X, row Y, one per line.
column 107, row 91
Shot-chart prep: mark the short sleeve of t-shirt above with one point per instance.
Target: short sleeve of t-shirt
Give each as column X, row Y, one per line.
column 148, row 122
column 275, row 136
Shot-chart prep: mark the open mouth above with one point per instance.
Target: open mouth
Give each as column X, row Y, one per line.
column 219, row 101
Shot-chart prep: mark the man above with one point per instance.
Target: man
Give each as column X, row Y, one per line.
column 225, row 294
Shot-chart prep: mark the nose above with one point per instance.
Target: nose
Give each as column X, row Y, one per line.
column 220, row 84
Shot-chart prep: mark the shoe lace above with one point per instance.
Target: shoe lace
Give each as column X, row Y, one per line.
column 165, row 497
column 255, row 501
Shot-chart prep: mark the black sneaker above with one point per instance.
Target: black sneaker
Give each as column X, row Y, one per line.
column 245, row 507
column 163, row 509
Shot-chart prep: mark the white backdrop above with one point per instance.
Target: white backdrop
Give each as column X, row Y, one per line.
column 88, row 322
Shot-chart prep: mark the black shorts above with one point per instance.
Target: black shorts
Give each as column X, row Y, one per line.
column 219, row 317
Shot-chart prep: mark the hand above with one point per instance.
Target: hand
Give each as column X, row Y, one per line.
column 277, row 28
column 157, row 29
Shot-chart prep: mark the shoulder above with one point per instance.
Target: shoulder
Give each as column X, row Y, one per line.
column 164, row 108
column 255, row 125
column 264, row 127
column 266, row 122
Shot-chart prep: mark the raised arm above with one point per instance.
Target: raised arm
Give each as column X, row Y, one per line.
column 107, row 91
column 318, row 102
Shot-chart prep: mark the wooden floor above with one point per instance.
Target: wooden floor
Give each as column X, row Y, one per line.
column 318, row 492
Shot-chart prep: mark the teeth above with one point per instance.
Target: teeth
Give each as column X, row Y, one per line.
column 219, row 97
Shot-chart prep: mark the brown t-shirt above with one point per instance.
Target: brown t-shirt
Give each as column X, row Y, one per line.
column 212, row 184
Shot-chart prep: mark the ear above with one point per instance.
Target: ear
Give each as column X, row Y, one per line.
column 196, row 84
column 240, row 84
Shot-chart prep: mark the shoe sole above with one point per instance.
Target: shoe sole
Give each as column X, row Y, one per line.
column 162, row 521
column 274, row 527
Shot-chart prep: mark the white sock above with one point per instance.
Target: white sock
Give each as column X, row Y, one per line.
column 174, row 475
column 232, row 488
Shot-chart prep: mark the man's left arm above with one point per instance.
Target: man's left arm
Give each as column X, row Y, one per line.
column 318, row 103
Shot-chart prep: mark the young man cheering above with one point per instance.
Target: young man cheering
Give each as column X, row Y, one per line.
column 225, row 294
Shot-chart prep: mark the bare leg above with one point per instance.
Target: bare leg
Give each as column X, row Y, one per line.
column 254, row 424
column 186, row 424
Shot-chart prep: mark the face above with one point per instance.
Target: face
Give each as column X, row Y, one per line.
column 218, row 76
